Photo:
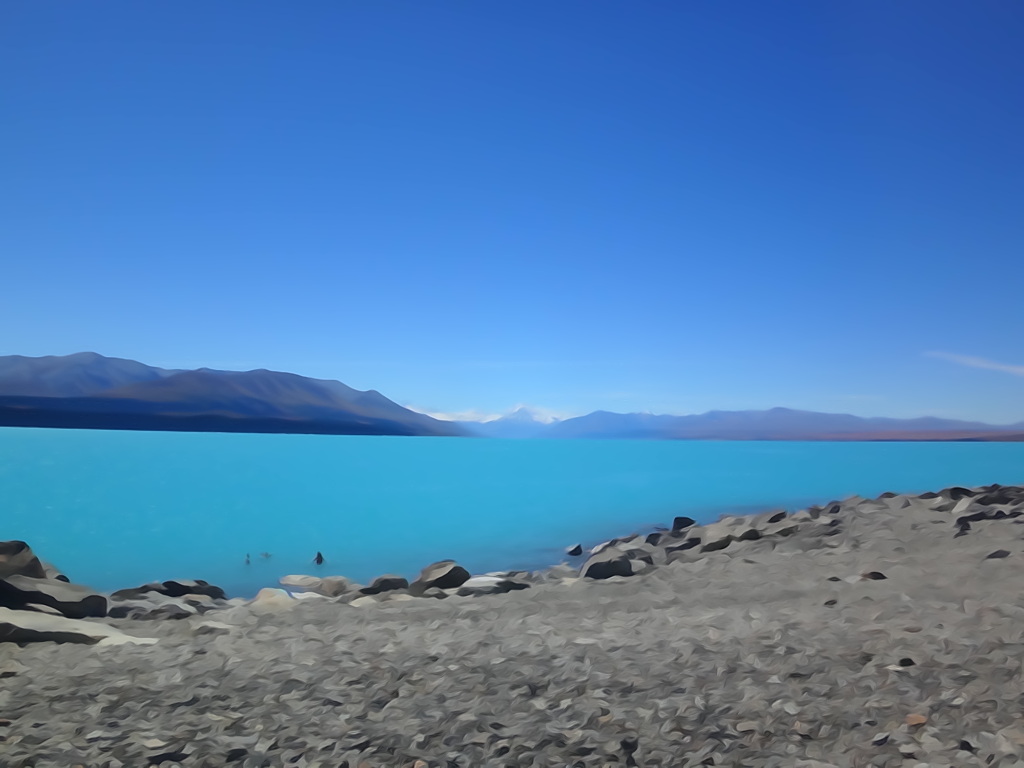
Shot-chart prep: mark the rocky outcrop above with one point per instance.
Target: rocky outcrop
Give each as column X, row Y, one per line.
column 327, row 586
column 444, row 574
column 18, row 559
column 172, row 588
column 32, row 627
column 386, row 583
column 71, row 600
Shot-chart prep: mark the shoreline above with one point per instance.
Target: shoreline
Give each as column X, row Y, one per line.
column 866, row 632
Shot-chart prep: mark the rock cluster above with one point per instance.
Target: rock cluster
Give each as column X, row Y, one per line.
column 868, row 632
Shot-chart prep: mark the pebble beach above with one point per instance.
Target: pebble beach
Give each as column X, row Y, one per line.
column 867, row 632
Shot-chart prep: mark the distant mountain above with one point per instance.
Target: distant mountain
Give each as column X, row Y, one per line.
column 774, row 424
column 90, row 391
column 521, row 424
column 79, row 375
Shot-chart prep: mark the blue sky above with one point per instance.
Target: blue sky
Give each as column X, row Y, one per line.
column 652, row 206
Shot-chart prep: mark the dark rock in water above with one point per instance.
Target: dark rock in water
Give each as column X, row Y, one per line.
column 18, row 559
column 386, row 583
column 574, row 551
column 444, row 574
column 682, row 522
column 71, row 600
column 999, row 554
column 873, row 576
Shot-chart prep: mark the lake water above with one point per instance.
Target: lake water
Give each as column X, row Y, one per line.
column 117, row 509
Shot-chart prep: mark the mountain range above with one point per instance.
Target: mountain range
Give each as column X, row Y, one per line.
column 90, row 391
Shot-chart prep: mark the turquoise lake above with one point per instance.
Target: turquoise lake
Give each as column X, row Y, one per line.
column 117, row 509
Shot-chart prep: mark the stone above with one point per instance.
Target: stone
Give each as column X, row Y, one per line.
column 873, row 576
column 575, row 550
column 999, row 554
column 444, row 574
column 363, row 601
column 489, row 585
column 269, row 598
column 299, row 581
column 386, row 583
column 18, row 559
column 604, row 565
column 30, row 627
column 915, row 719
column 71, row 600
column 172, row 588
column 682, row 522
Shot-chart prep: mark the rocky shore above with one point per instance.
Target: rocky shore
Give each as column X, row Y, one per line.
column 883, row 632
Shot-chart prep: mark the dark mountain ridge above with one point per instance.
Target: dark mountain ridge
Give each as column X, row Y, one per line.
column 90, row 391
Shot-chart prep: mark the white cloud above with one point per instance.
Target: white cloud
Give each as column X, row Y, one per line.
column 979, row 362
column 545, row 415
column 468, row 415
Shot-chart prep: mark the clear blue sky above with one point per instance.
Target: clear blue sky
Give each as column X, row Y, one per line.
column 636, row 206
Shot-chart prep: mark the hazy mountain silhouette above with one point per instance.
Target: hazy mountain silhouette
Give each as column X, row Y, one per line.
column 774, row 424
column 91, row 391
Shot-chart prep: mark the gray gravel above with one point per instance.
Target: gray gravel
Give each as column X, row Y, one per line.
column 750, row 656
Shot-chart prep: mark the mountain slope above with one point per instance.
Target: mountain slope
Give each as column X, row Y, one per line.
column 202, row 400
column 79, row 375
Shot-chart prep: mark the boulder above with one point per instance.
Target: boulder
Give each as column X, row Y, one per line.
column 445, row 574
column 300, row 582
column 604, row 565
column 575, row 550
column 271, row 599
column 32, row 627
column 489, row 585
column 386, row 583
column 617, row 561
column 71, row 600
column 152, row 607
column 682, row 522
column 172, row 588
column 18, row 559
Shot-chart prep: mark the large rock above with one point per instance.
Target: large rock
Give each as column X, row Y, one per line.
column 32, row 627
column 18, row 559
column 172, row 588
column 445, row 574
column 326, row 586
column 71, row 600
column 386, row 583
column 489, row 585
column 617, row 562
